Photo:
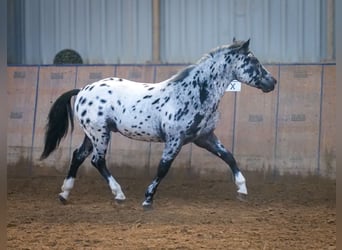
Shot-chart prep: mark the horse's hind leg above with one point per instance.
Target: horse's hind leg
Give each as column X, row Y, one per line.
column 99, row 162
column 213, row 145
column 78, row 157
column 170, row 152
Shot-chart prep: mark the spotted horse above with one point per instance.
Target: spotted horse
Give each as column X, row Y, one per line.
column 177, row 111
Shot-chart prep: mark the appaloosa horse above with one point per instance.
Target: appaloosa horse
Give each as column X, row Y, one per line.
column 177, row 111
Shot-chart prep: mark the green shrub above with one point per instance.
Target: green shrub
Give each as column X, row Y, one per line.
column 67, row 56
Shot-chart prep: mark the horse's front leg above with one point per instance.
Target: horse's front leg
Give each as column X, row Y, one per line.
column 212, row 144
column 170, row 152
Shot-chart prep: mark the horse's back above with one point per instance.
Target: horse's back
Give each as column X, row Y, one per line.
column 123, row 104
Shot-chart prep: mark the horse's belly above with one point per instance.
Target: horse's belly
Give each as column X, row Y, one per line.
column 141, row 132
column 141, row 135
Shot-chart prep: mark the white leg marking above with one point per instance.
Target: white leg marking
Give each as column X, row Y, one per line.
column 145, row 203
column 240, row 182
column 116, row 189
column 68, row 184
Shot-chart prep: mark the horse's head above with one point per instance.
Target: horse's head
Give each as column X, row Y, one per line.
column 246, row 68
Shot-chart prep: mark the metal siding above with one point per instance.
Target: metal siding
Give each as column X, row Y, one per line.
column 32, row 31
column 191, row 28
column 280, row 31
column 101, row 31
column 120, row 31
column 15, row 31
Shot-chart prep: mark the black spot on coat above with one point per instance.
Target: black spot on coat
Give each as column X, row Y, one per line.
column 194, row 128
column 155, row 101
column 204, row 92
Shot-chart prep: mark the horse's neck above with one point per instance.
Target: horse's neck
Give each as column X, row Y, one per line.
column 214, row 76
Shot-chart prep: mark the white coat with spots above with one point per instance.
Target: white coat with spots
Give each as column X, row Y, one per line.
column 177, row 111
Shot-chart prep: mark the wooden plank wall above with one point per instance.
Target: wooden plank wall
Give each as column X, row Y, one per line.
column 290, row 130
column 22, row 89
column 255, row 127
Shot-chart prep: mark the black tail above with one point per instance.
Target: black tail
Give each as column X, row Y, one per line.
column 58, row 122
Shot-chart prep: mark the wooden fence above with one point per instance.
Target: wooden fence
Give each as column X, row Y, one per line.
column 290, row 130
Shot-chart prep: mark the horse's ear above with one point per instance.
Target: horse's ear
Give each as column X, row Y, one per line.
column 245, row 46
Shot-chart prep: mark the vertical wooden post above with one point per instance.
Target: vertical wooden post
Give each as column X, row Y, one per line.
column 156, row 31
column 330, row 29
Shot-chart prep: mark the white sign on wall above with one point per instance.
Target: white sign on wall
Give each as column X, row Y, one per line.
column 234, row 86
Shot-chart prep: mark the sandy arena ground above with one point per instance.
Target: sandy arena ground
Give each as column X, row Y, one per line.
column 282, row 213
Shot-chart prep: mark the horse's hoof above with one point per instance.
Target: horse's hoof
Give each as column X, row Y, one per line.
column 62, row 199
column 147, row 206
column 242, row 197
column 119, row 201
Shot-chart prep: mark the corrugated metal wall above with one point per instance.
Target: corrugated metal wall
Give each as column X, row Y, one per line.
column 101, row 31
column 120, row 31
column 280, row 31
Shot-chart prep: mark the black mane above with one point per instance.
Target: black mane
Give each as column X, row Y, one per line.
column 182, row 74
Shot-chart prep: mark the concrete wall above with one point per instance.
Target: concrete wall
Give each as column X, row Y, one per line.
column 291, row 130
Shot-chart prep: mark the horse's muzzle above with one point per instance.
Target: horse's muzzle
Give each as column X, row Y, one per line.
column 268, row 85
